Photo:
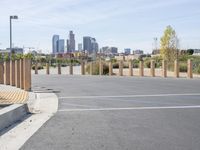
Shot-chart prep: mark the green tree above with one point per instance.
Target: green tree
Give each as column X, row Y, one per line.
column 1, row 57
column 190, row 51
column 19, row 56
column 6, row 57
column 169, row 44
column 12, row 56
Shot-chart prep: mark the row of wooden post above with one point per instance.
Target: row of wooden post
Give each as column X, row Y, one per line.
column 59, row 69
column 16, row 73
column 141, row 68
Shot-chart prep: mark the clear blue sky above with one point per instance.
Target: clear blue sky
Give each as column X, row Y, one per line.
column 122, row 23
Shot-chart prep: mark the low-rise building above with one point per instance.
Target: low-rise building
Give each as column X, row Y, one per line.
column 138, row 52
column 127, row 51
column 196, row 52
column 14, row 51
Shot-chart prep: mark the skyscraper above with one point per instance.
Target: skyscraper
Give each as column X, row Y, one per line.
column 55, row 41
column 71, row 42
column 61, row 46
column 87, row 44
column 90, row 45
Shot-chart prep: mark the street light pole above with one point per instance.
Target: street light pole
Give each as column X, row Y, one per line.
column 10, row 33
column 11, row 17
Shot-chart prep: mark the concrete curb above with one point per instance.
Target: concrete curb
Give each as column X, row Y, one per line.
column 43, row 106
column 11, row 114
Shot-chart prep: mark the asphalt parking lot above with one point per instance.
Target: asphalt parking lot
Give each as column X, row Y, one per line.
column 120, row 113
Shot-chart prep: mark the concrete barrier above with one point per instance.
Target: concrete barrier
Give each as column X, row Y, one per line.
column 1, row 73
column 12, row 72
column 11, row 114
column 189, row 69
column 176, row 69
column 130, row 68
column 121, row 68
column 17, row 73
column 164, row 68
column 152, row 68
column 7, row 73
column 141, row 69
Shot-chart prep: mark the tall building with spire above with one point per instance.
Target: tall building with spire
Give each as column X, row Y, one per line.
column 71, row 42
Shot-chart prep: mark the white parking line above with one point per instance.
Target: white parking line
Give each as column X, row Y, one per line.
column 131, row 108
column 125, row 96
column 70, row 104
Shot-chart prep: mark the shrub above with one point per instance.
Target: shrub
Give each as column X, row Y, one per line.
column 135, row 63
column 158, row 64
column 63, row 65
column 170, row 66
column 113, row 60
column 183, row 67
column 197, row 69
column 147, row 63
column 39, row 67
column 125, row 65
column 95, row 70
column 158, row 61
column 6, row 57
column 116, row 65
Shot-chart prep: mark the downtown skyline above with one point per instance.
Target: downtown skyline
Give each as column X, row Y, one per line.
column 114, row 23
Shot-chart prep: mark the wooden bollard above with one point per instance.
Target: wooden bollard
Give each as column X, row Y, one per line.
column 21, row 68
column 7, row 73
column 130, row 68
column 36, row 67
column 189, row 69
column 47, row 68
column 1, row 74
column 71, row 69
column 27, row 74
column 12, row 72
column 59, row 69
column 17, row 73
column 120, row 68
column 152, row 68
column 164, row 68
column 100, row 68
column 82, row 68
column 91, row 68
column 141, row 69
column 176, row 69
column 110, row 68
